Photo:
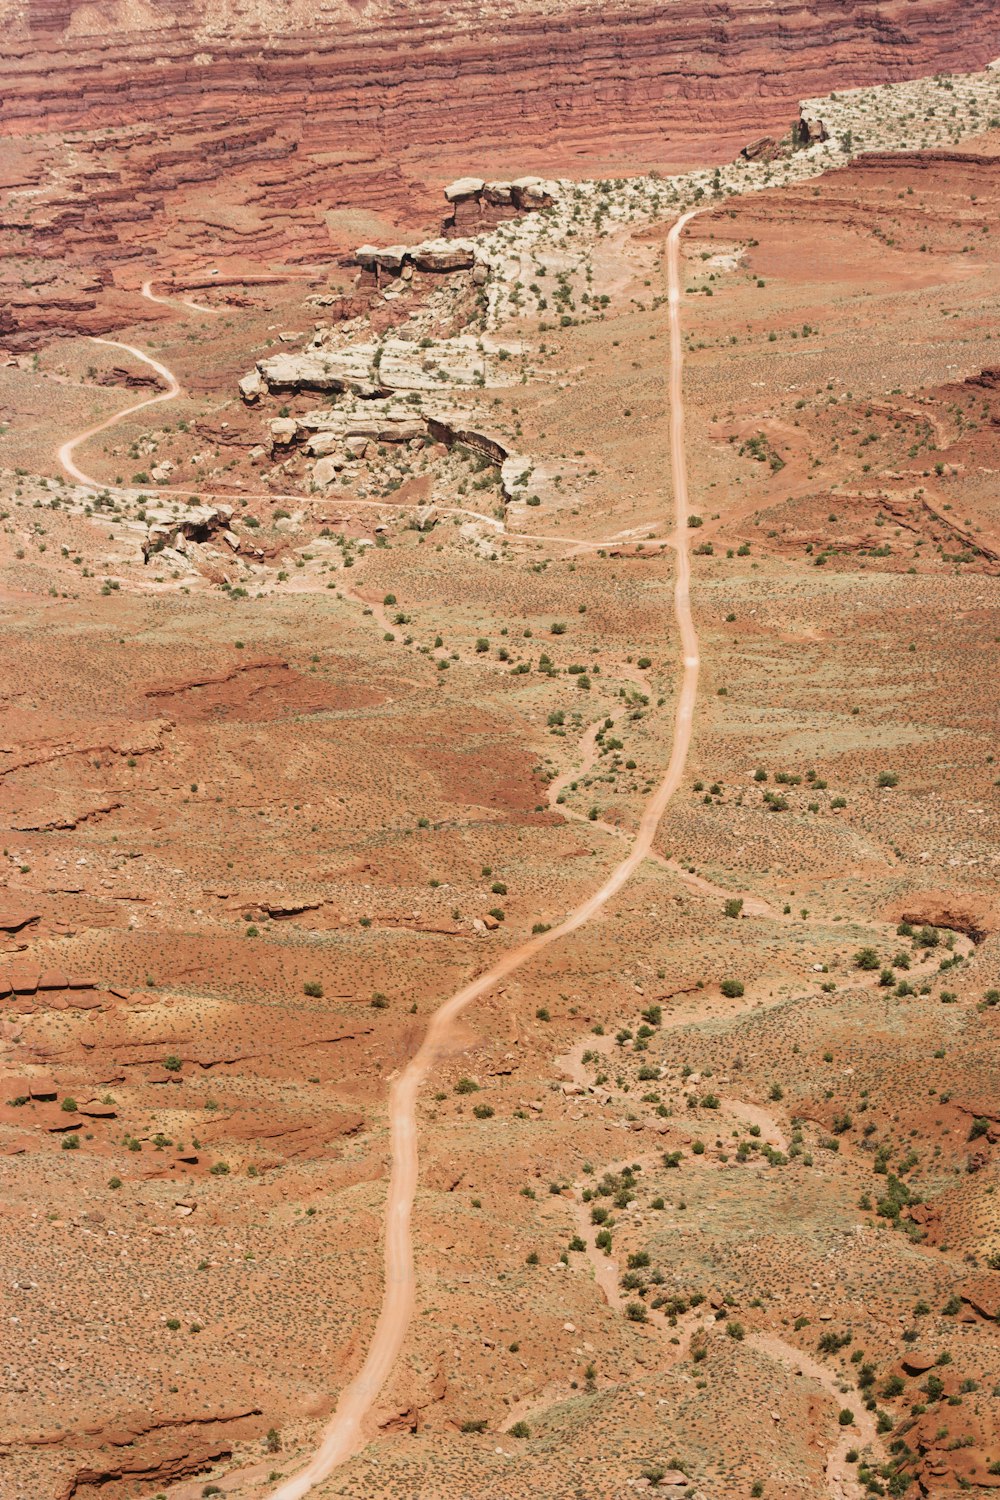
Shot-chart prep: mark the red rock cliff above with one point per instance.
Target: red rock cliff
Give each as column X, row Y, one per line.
column 200, row 135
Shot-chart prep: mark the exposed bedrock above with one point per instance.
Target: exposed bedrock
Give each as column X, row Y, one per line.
column 198, row 138
column 572, row 78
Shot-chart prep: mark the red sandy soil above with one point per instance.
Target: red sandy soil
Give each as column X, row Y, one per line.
column 256, row 834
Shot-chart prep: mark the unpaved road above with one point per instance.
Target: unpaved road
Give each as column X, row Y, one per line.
column 344, row 1434
column 65, row 454
column 199, row 307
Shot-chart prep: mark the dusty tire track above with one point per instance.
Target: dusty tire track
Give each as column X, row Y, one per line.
column 344, row 1434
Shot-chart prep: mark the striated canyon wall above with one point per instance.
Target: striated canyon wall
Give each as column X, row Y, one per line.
column 565, row 80
column 144, row 135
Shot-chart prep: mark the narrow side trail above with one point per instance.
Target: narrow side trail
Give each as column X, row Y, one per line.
column 65, row 454
column 344, row 1434
column 199, row 307
column 841, row 1476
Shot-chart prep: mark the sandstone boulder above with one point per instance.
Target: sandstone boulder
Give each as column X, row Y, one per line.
column 533, row 193
column 13, row 918
column 810, row 132
column 323, row 444
column 464, row 187
column 764, row 148
column 284, row 431
column 343, row 370
column 326, row 471
column 251, row 386
column 444, row 255
column 982, row 1294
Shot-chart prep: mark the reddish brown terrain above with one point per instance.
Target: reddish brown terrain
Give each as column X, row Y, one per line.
column 166, row 134
column 500, row 974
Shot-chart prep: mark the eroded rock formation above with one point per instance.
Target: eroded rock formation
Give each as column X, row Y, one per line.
column 195, row 135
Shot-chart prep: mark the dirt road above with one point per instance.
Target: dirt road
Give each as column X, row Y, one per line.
column 198, row 307
column 65, row 454
column 344, row 1436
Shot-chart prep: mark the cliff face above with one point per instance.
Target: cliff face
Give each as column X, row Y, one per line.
column 169, row 131
column 573, row 79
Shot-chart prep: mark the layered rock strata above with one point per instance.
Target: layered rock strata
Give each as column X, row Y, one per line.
column 194, row 136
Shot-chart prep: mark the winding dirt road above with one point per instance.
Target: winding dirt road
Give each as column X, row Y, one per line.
column 199, row 307
column 65, row 454
column 344, row 1434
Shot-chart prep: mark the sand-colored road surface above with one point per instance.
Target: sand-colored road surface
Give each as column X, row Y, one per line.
column 344, row 1435
column 172, row 389
column 199, row 307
